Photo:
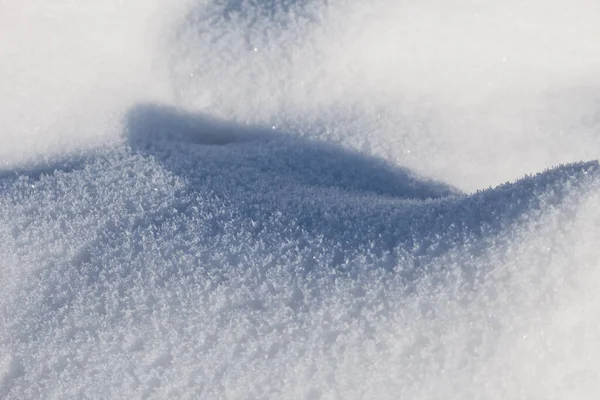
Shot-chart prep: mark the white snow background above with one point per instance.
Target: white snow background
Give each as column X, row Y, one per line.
column 279, row 199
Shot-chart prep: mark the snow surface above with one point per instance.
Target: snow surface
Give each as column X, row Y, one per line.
column 277, row 199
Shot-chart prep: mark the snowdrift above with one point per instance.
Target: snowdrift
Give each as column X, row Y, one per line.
column 299, row 199
column 206, row 259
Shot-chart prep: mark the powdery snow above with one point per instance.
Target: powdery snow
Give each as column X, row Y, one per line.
column 300, row 200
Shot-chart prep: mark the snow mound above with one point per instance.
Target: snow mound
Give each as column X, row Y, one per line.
column 284, row 199
column 207, row 259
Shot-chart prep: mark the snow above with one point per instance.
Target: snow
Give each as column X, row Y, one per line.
column 299, row 199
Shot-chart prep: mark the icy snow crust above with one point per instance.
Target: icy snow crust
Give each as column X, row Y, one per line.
column 285, row 206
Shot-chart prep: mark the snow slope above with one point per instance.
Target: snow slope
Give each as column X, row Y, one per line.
column 299, row 199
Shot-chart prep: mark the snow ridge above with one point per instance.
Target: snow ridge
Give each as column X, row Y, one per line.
column 284, row 199
column 203, row 259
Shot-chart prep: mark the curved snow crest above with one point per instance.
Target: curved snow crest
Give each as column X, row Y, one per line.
column 216, row 259
column 179, row 140
column 330, row 192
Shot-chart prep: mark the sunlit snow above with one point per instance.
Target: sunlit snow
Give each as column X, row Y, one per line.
column 309, row 199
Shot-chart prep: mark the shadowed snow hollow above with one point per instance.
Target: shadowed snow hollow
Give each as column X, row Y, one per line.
column 277, row 199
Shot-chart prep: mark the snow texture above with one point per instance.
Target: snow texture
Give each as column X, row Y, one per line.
column 273, row 199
